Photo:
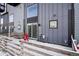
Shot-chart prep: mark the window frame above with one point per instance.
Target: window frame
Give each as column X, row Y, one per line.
column 53, row 27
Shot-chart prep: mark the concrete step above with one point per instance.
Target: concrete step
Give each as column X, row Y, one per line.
column 56, row 48
column 25, row 51
column 30, row 49
column 42, row 51
column 37, row 48
column 16, row 49
column 32, row 52
column 8, row 50
column 15, row 46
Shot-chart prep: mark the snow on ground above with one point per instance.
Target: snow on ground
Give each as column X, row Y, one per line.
column 4, row 53
column 16, row 41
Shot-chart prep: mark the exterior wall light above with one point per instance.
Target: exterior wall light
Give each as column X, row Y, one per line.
column 53, row 24
column 19, row 27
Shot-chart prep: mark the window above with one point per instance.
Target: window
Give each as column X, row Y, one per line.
column 32, row 11
column 53, row 24
column 11, row 18
column 1, row 20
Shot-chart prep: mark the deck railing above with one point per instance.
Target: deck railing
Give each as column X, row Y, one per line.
column 74, row 43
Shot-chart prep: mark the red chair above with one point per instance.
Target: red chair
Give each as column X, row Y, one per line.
column 25, row 38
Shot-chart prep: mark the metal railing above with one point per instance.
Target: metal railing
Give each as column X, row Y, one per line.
column 74, row 43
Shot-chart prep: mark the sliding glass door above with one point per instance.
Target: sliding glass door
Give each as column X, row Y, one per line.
column 32, row 30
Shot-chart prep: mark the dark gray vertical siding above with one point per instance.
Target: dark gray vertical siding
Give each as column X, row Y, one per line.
column 43, row 24
column 49, row 17
column 43, row 21
column 47, row 24
column 46, row 12
column 60, row 23
column 55, row 31
column 65, row 23
column 40, row 21
column 51, row 6
column 76, row 11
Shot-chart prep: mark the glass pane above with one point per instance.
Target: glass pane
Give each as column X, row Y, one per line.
column 32, row 11
column 34, row 31
column 29, row 30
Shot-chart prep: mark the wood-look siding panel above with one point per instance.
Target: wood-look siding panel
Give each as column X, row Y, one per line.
column 50, row 32
column 65, row 23
column 76, row 10
column 44, row 21
column 40, row 17
column 41, row 20
column 60, row 24
column 46, row 12
column 47, row 22
column 55, row 33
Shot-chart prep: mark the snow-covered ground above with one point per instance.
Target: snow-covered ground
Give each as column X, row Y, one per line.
column 15, row 48
column 4, row 53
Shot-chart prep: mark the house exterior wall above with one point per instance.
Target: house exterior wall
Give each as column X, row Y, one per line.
column 18, row 16
column 46, row 13
column 76, row 7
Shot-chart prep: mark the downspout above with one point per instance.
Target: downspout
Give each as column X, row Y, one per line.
column 73, row 20
column 24, row 28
